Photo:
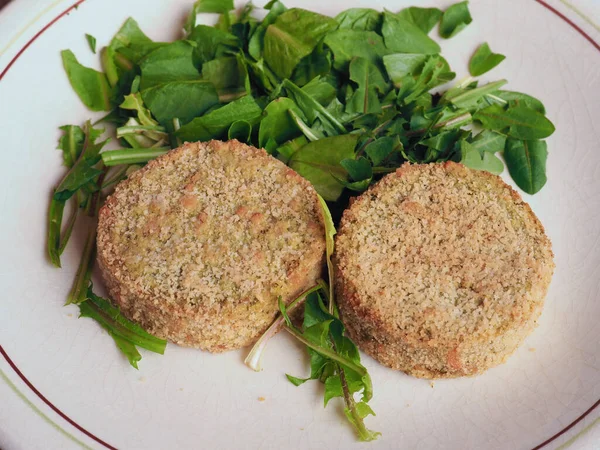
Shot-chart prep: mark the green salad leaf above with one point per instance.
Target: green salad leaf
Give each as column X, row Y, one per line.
column 334, row 360
column 455, row 19
column 91, row 40
column 81, row 155
column 484, row 60
column 526, row 163
column 403, row 36
column 131, row 44
column 424, row 18
column 91, row 86
column 215, row 124
column 370, row 83
column 359, row 19
column 520, row 122
column 206, row 6
column 126, row 334
column 347, row 44
column 184, row 100
column 319, row 162
column 293, row 36
column 519, row 99
column 277, row 124
column 172, row 62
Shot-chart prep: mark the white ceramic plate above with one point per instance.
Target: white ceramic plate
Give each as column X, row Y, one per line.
column 64, row 383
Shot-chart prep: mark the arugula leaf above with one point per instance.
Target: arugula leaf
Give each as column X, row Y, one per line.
column 403, row 36
column 350, row 43
column 256, row 43
column 479, row 160
column 314, row 65
column 277, row 123
column 263, row 77
column 380, row 149
column 359, row 169
column 228, row 75
column 172, row 62
column 90, row 85
column 134, row 102
column 455, row 19
column 71, row 143
column 424, row 18
column 312, row 134
column 180, row 99
column 206, row 6
column 91, row 40
column 312, row 109
column 401, row 65
column 334, row 360
column 240, row 130
column 488, row 141
column 212, row 43
column 131, row 42
column 321, row 90
column 356, row 416
column 83, row 170
column 108, row 60
column 526, row 163
column 285, row 151
column 317, row 161
column 435, row 71
column 520, row 99
column 294, row 35
column 215, row 124
column 360, row 19
column 370, row 82
column 484, row 60
column 80, row 154
column 519, row 122
column 469, row 99
column 125, row 333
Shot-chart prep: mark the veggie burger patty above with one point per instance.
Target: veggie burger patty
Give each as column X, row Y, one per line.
column 441, row 270
column 199, row 244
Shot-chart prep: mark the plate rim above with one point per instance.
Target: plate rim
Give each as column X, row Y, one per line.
column 25, row 380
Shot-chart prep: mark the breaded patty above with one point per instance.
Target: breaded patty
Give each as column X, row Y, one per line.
column 199, row 244
column 441, row 270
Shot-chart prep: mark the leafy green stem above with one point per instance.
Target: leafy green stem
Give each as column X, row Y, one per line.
column 108, row 319
column 83, row 275
column 455, row 121
column 306, row 130
column 255, row 355
column 139, row 129
column 55, row 214
column 66, row 234
column 132, row 155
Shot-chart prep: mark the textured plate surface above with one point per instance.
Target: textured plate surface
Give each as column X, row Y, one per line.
column 80, row 391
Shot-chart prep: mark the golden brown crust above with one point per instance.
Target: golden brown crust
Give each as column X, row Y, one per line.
column 441, row 270
column 199, row 244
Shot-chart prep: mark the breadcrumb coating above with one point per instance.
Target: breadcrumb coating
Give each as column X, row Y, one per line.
column 441, row 270
column 199, row 244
